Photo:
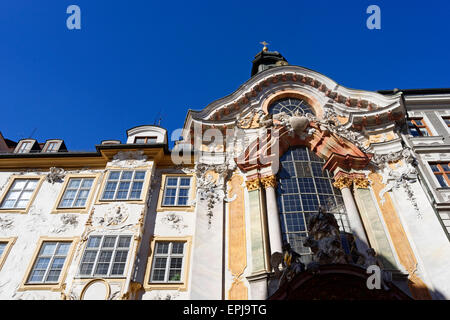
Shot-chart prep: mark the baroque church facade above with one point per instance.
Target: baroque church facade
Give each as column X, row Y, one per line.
column 291, row 187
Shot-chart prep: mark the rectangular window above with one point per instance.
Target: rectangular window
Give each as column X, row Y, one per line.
column 124, row 185
column 145, row 140
column 167, row 266
column 23, row 147
column 442, row 173
column 418, row 128
column 19, row 194
column 176, row 191
column 49, row 262
column 105, row 256
column 77, row 192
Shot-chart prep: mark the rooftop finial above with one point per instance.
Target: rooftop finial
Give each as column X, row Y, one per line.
column 265, row 44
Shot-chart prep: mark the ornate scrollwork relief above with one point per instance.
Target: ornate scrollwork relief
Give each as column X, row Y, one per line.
column 6, row 223
column 67, row 221
column 174, row 221
column 55, row 175
column 402, row 176
column 129, row 159
column 211, row 184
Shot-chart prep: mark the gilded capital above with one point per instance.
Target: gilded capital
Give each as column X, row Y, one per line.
column 343, row 182
column 270, row 181
column 253, row 184
column 361, row 183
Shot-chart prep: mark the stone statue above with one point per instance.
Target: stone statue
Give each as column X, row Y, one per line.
column 324, row 239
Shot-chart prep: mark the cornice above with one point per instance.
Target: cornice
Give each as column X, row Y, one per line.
column 363, row 108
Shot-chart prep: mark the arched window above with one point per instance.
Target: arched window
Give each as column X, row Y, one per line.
column 302, row 187
column 290, row 106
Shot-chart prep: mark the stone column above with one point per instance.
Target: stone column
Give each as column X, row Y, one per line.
column 273, row 216
column 344, row 182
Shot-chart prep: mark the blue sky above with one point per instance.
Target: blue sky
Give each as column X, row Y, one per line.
column 133, row 59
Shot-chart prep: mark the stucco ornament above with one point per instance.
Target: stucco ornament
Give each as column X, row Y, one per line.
column 67, row 221
column 129, row 159
column 402, row 177
column 6, row 223
column 211, row 184
column 324, row 239
column 114, row 216
column 55, row 175
column 174, row 221
column 290, row 264
column 296, row 123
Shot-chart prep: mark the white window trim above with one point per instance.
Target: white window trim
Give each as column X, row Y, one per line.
column 178, row 187
column 169, row 256
column 77, row 193
column 129, row 188
column 18, row 198
column 111, row 262
column 48, row 269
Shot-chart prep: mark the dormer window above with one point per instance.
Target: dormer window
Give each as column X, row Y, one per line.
column 51, row 147
column 145, row 140
column 24, row 147
column 54, row 145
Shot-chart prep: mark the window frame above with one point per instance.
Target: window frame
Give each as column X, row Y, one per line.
column 189, row 207
column 417, row 127
column 12, row 179
column 56, row 209
column 147, row 138
column 9, row 243
column 440, row 172
column 54, row 286
column 182, row 285
column 52, row 143
column 144, row 190
column 98, row 249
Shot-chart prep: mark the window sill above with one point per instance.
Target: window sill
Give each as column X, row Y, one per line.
column 5, row 210
column 165, row 286
column 55, row 287
column 175, row 208
column 69, row 210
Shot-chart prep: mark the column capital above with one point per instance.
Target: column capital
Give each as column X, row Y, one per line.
column 361, row 183
column 342, row 182
column 253, row 184
column 269, row 181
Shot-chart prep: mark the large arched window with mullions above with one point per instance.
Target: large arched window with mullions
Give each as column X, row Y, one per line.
column 302, row 187
column 290, row 106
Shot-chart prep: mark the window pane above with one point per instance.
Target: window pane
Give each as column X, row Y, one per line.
column 127, row 175
column 94, row 242
column 124, row 242
column 48, row 249
column 172, row 181
column 87, row 183
column 74, row 183
column 441, row 180
column 109, row 242
column 177, row 247
column 162, row 247
column 185, row 181
column 2, row 248
column 139, row 175
column 114, row 175
column 63, row 248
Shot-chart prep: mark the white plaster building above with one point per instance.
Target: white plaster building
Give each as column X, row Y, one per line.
column 209, row 218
